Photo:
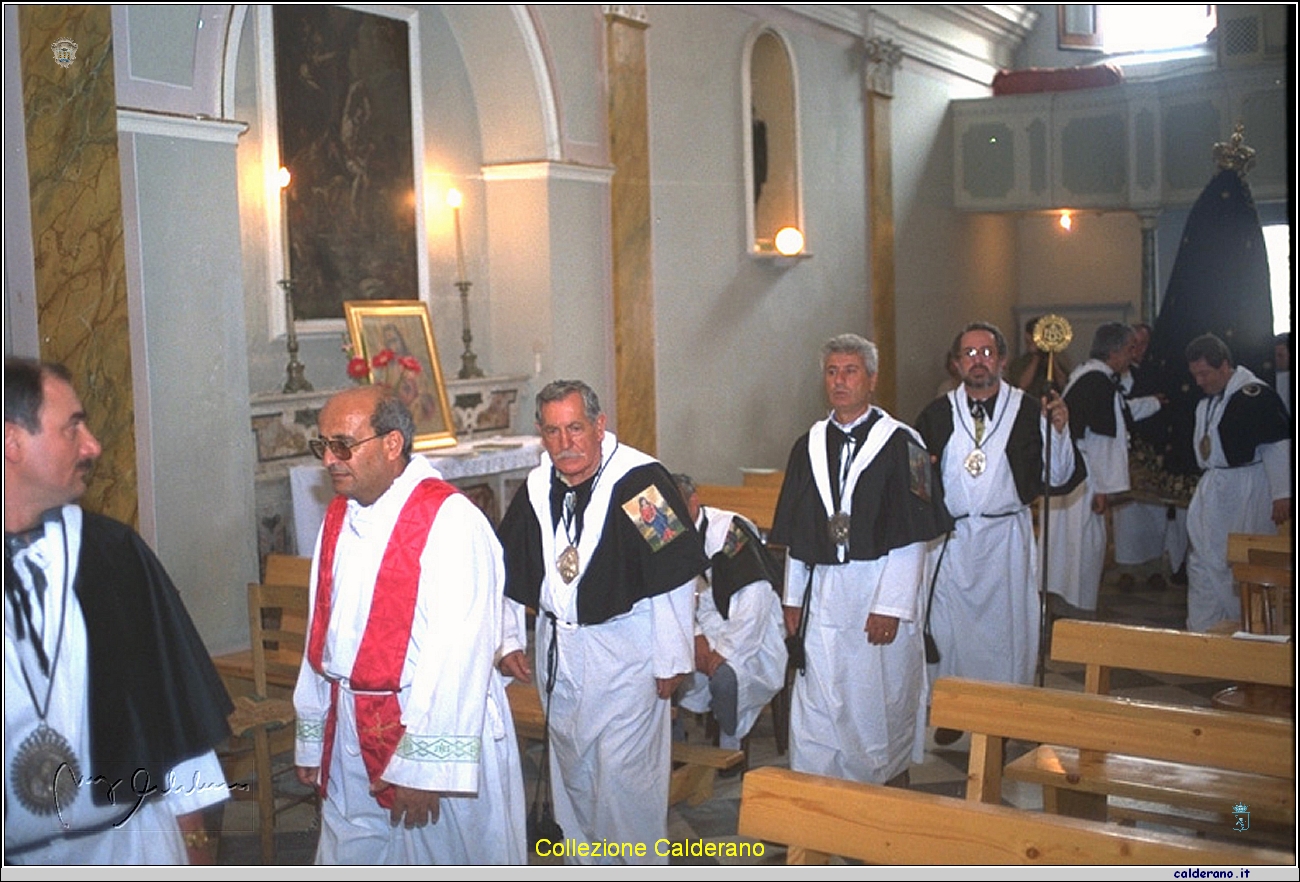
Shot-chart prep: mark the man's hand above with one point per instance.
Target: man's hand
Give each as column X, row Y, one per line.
column 702, row 654
column 881, row 630
column 792, row 616
column 1281, row 511
column 414, row 808
column 1100, row 503
column 308, row 775
column 1055, row 410
column 714, row 661
column 516, row 665
column 666, row 686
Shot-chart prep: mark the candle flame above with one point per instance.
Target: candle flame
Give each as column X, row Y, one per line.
column 454, row 199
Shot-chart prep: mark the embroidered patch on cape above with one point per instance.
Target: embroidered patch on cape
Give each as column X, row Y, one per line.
column 918, row 462
column 735, row 541
column 656, row 521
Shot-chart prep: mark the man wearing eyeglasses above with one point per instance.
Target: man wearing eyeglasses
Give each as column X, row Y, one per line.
column 987, row 440
column 403, row 722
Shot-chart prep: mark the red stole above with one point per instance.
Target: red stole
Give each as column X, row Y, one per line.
column 382, row 653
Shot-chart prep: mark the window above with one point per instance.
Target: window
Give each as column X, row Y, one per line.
column 1119, row 29
column 1277, row 242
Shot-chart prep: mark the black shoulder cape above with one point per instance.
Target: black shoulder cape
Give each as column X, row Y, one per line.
column 896, row 502
column 1092, row 405
column 742, row 560
column 1024, row 450
column 624, row 568
column 155, row 697
column 1254, row 415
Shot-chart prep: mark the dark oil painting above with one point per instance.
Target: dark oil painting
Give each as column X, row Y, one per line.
column 344, row 94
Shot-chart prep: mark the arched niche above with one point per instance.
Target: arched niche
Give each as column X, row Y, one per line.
column 774, row 187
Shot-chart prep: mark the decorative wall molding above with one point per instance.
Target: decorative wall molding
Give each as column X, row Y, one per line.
column 548, row 171
column 173, row 125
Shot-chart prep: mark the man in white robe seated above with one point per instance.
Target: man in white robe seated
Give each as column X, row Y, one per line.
column 857, row 506
column 1243, row 441
column 740, row 655
column 1099, row 426
column 112, row 705
column 403, row 722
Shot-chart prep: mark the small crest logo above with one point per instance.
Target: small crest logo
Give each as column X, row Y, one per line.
column 65, row 52
column 1243, row 817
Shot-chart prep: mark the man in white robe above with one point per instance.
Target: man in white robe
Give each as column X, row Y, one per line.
column 399, row 671
column 857, row 507
column 1146, row 531
column 599, row 542
column 112, row 706
column 740, row 655
column 989, row 440
column 1077, row 534
column 1243, row 441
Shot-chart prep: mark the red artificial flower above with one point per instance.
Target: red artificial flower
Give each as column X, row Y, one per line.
column 409, row 363
column 382, row 358
column 358, row 369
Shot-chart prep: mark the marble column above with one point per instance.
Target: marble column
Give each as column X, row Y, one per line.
column 629, row 153
column 882, row 57
column 76, row 211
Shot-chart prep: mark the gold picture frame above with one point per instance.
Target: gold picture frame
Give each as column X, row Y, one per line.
column 378, row 326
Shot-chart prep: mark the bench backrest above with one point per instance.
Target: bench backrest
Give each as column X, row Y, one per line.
column 816, row 816
column 1198, row 736
column 758, row 503
column 1101, row 646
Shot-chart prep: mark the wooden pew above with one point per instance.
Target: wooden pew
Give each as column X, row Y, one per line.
column 1102, row 646
column 1240, row 545
column 695, row 766
column 756, row 502
column 815, row 817
column 1200, row 761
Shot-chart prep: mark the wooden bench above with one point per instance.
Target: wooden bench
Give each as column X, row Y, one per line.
column 815, row 817
column 755, row 501
column 695, row 766
column 1101, row 647
column 1197, row 760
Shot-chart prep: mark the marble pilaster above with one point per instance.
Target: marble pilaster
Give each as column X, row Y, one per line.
column 76, row 216
column 629, row 152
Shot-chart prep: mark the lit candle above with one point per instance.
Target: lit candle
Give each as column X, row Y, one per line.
column 282, row 178
column 454, row 200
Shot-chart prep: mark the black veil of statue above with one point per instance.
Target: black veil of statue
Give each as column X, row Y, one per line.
column 1219, row 285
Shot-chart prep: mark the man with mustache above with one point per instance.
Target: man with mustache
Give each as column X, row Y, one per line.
column 403, row 722
column 987, row 440
column 856, row 510
column 601, row 545
column 112, row 706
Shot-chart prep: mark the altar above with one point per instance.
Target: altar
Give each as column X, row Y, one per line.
column 488, row 471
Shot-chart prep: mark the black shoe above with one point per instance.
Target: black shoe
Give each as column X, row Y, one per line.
column 944, row 737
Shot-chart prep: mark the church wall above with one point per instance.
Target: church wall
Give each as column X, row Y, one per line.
column 180, row 196
column 951, row 267
column 738, row 377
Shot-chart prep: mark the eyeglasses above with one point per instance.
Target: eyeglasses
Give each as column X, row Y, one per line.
column 341, row 449
column 986, row 351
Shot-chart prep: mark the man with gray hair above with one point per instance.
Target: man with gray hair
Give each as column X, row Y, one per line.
column 857, row 507
column 403, row 722
column 600, row 544
column 1099, row 421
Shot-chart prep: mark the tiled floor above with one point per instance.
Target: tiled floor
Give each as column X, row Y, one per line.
column 1134, row 595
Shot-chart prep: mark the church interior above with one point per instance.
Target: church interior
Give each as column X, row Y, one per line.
column 202, row 200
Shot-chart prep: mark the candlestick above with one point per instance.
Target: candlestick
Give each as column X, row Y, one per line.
column 296, row 370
